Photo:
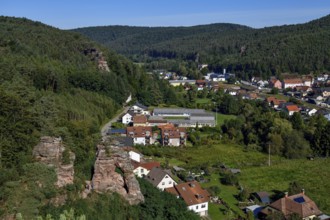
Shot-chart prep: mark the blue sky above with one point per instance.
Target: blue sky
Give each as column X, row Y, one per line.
column 66, row 14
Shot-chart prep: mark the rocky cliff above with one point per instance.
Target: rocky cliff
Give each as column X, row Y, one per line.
column 113, row 172
column 51, row 151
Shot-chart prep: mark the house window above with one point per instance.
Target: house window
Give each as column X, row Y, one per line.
column 196, row 206
column 142, row 170
column 203, row 206
column 163, row 183
column 166, row 176
column 170, row 182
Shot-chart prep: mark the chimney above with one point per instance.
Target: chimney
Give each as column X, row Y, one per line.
column 286, row 194
column 303, row 191
column 224, row 71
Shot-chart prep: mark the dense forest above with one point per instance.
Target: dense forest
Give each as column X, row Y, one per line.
column 302, row 48
column 50, row 86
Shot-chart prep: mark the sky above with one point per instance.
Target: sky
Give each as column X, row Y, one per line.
column 68, row 14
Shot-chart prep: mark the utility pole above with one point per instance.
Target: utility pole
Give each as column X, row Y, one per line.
column 268, row 154
column 215, row 113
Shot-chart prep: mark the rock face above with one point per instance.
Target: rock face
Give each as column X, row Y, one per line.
column 113, row 172
column 50, row 151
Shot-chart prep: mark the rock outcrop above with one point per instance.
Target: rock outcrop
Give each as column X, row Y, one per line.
column 51, row 152
column 113, row 172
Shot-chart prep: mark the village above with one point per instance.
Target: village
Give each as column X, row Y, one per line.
column 169, row 127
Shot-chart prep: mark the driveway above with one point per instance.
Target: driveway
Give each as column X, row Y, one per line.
column 107, row 126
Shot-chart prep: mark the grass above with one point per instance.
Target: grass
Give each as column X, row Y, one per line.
column 221, row 118
column 314, row 176
column 256, row 175
column 226, row 194
column 203, row 101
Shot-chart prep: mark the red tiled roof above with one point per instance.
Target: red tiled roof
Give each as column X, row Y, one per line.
column 173, row 132
column 148, row 165
column 270, row 99
column 191, row 192
column 299, row 204
column 293, row 81
column 138, row 131
column 292, row 108
column 140, row 119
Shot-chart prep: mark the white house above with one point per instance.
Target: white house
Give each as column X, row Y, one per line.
column 312, row 112
column 127, row 118
column 138, row 108
column 194, row 196
column 160, row 178
column 142, row 169
column 134, row 156
column 141, row 135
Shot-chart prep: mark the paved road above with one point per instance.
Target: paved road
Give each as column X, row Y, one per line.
column 106, row 127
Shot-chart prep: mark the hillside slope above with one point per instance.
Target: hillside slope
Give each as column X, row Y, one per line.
column 51, row 85
column 294, row 48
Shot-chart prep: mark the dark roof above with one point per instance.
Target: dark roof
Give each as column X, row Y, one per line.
column 123, row 141
column 117, row 131
column 138, row 104
column 156, row 175
column 263, row 197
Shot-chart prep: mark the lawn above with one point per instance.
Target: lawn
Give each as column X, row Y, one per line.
column 314, row 176
column 221, row 118
column 203, row 101
column 256, row 175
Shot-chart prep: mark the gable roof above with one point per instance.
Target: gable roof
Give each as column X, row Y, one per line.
column 156, row 175
column 292, row 108
column 263, row 196
column 191, row 192
column 139, row 131
column 138, row 104
column 293, row 81
column 140, row 119
column 299, row 204
column 148, row 165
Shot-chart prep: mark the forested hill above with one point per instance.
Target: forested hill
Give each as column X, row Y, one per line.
column 50, row 86
column 293, row 48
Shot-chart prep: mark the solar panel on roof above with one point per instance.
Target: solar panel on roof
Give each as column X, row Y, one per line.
column 299, row 199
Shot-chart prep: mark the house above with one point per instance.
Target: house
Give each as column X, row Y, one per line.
column 141, row 135
column 127, row 118
column 327, row 116
column 142, row 169
column 139, row 120
column 135, row 156
column 117, row 132
column 173, row 136
column 312, row 112
column 193, row 195
column 255, row 209
column 303, row 90
column 263, row 197
column 181, row 82
column 156, row 121
column 138, row 108
column 275, row 83
column 324, row 92
column 160, row 178
column 183, row 117
column 290, row 109
column 274, row 102
column 250, row 96
column 200, row 84
column 299, row 204
column 292, row 83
